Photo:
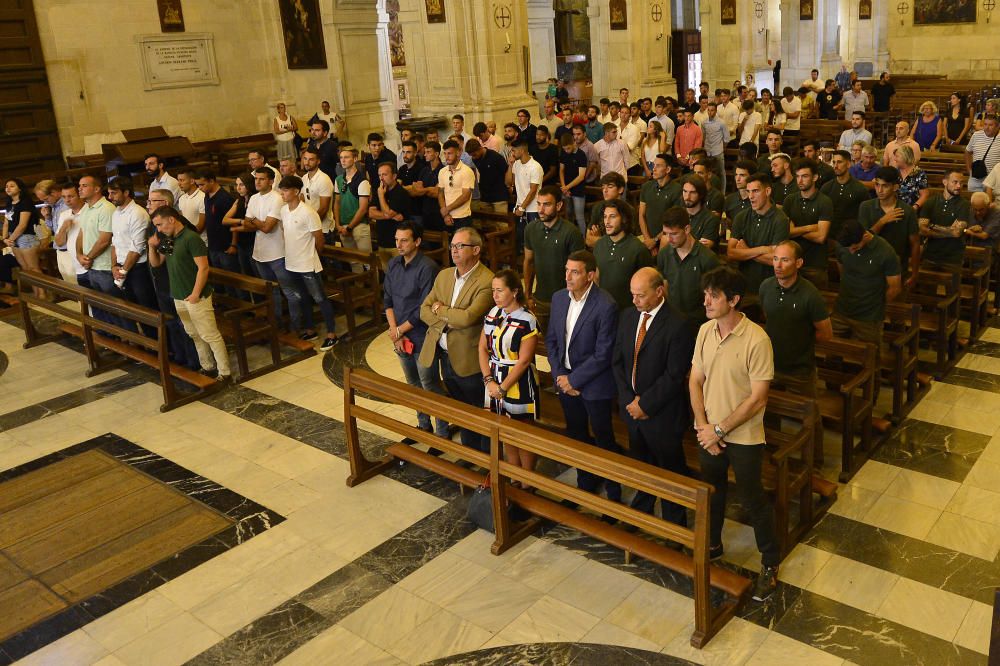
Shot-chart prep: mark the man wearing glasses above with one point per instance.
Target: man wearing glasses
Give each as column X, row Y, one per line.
column 454, row 312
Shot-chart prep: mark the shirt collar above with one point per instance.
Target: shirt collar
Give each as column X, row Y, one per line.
column 463, row 277
column 583, row 299
column 652, row 313
column 738, row 329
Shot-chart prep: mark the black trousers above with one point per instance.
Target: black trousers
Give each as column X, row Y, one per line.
column 584, row 417
column 470, row 390
column 666, row 451
column 746, row 460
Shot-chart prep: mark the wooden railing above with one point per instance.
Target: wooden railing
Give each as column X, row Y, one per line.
column 500, row 431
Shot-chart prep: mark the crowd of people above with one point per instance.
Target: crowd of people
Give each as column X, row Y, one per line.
column 681, row 311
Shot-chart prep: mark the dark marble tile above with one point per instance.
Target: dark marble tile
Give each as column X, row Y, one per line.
column 917, row 560
column 5, row 658
column 120, row 594
column 42, row 633
column 401, row 555
column 429, row 482
column 4, row 364
column 552, row 654
column 351, row 354
column 867, row 639
column 984, row 381
column 23, row 416
column 933, row 449
column 189, row 558
column 343, row 592
column 255, row 524
column 984, row 348
column 66, row 402
column 267, row 640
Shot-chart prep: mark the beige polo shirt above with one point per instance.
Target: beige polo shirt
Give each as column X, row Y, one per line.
column 729, row 366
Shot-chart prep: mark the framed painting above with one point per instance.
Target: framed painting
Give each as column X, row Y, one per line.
column 805, row 10
column 302, row 31
column 865, row 10
column 435, row 11
column 619, row 14
column 171, row 15
column 728, row 12
column 935, row 12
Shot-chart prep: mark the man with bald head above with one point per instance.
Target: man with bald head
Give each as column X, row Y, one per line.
column 902, row 139
column 651, row 361
column 984, row 227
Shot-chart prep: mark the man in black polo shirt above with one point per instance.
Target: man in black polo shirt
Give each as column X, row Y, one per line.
column 810, row 151
column 223, row 251
column 809, row 213
column 377, row 153
column 845, row 191
column 829, row 100
column 782, row 179
column 683, row 260
column 492, row 168
column 656, row 195
column 755, row 233
column 546, row 154
column 325, row 147
column 773, row 142
column 390, row 206
column 408, row 174
column 882, row 93
column 796, row 318
column 894, row 220
column 943, row 221
column 548, row 242
column 573, row 169
column 869, row 278
column 427, row 187
column 704, row 223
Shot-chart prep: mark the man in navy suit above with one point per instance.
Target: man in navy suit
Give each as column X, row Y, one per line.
column 651, row 361
column 579, row 340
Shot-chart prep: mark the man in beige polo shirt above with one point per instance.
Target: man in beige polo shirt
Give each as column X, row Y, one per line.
column 731, row 371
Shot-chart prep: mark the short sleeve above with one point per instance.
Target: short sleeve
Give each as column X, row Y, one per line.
column 336, row 187
column 536, row 174
column 761, row 362
column 312, row 220
column 825, row 208
column 890, row 265
column 817, row 308
column 364, row 189
column 782, row 232
column 738, row 224
column 699, row 347
column 272, row 207
column 324, row 186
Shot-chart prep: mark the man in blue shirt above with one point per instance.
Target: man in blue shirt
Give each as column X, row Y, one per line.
column 715, row 136
column 408, row 280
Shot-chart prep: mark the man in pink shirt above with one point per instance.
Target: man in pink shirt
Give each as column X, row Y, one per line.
column 488, row 140
column 687, row 137
column 612, row 153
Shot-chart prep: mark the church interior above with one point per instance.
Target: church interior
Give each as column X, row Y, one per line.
column 304, row 500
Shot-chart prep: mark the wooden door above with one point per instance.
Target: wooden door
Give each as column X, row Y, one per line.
column 29, row 137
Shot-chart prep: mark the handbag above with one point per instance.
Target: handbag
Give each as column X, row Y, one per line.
column 979, row 169
column 480, row 510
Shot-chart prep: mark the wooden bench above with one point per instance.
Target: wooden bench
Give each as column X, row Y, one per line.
column 937, row 295
column 692, row 494
column 499, row 238
column 900, row 357
column 349, row 289
column 974, row 291
column 246, row 321
column 845, row 403
column 96, row 334
column 441, row 253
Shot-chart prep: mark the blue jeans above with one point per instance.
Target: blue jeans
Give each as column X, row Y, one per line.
column 411, row 370
column 104, row 282
column 430, row 380
column 310, row 285
column 275, row 271
column 579, row 208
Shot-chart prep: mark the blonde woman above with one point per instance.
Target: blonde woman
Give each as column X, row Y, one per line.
column 992, row 109
column 912, row 179
column 654, row 144
column 927, row 131
column 284, row 129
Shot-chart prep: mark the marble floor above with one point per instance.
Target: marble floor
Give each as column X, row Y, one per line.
column 901, row 571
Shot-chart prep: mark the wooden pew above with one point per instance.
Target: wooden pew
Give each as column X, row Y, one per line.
column 131, row 343
column 974, row 291
column 349, row 289
column 688, row 492
column 441, row 253
column 900, row 356
column 937, row 295
column 845, row 404
column 499, row 237
column 245, row 321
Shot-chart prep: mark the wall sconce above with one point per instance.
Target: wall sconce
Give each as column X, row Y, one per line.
column 903, row 8
column 506, row 49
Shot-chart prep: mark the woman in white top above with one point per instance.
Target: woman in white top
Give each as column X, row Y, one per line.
column 284, row 129
column 654, row 144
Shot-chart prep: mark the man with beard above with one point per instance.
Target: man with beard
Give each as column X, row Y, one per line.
column 159, row 179
column 326, row 148
column 782, row 179
column 548, row 242
column 619, row 253
column 655, row 197
column 755, row 233
column 846, row 192
column 857, row 132
column 943, row 221
column 703, row 222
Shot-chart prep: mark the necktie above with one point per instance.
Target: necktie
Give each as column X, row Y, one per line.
column 638, row 345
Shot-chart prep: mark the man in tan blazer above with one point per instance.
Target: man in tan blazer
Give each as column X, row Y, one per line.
column 454, row 312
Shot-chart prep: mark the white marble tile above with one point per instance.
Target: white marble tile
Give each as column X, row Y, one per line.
column 966, row 535
column 925, row 608
column 445, row 578
column 875, row 476
column 138, row 617
column 780, row 649
column 930, row 411
column 292, row 573
column 549, row 620
column 932, row 491
column 903, row 517
column 853, row 501
column 110, row 660
column 173, row 642
column 542, row 565
column 443, row 635
column 239, row 604
column 388, row 616
column 75, row 649
column 975, row 630
column 802, row 565
column 853, row 583
column 654, row 613
column 595, row 588
column 497, row 601
column 605, row 633
column 476, row 548
column 733, row 645
column 985, row 474
column 973, row 419
column 288, row 497
column 348, row 648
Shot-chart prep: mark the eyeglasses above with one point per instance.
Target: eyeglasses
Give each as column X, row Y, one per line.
column 459, row 246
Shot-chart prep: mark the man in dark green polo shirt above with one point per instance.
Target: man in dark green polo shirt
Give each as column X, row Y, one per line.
column 738, row 201
column 869, row 278
column 619, row 253
column 682, row 261
column 845, row 191
column 612, row 189
column 655, row 197
column 894, row 220
column 704, row 223
column 943, row 221
column 825, row 173
column 714, row 200
column 548, row 242
column 810, row 213
column 782, row 179
column 755, row 233
column 796, row 318
column 773, row 142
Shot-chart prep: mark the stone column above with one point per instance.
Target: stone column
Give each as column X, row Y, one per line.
column 827, row 13
column 541, row 45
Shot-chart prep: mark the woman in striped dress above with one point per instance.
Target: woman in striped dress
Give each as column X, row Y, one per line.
column 506, row 358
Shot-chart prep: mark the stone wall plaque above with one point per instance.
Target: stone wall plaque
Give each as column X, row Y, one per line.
column 173, row 61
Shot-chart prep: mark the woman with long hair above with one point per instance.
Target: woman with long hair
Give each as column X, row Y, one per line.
column 955, row 123
column 506, row 358
column 654, row 144
column 242, row 237
column 19, row 225
column 284, row 128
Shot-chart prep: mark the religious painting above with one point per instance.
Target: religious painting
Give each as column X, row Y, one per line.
column 805, row 10
column 302, row 30
column 397, row 55
column 171, row 15
column 937, row 12
column 865, row 10
column 728, row 12
column 435, row 11
column 619, row 15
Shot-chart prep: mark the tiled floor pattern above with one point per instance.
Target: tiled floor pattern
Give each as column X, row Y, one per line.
column 895, row 587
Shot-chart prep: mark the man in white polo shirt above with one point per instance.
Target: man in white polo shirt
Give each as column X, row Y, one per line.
column 317, row 191
column 524, row 180
column 66, row 232
column 191, row 203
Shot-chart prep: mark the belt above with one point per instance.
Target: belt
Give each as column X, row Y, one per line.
column 61, row 249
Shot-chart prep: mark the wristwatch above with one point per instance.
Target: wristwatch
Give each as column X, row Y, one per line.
column 719, row 432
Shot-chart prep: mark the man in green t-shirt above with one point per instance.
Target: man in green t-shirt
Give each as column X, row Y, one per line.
column 943, row 220
column 782, row 179
column 894, row 220
column 619, row 254
column 548, row 242
column 755, row 233
column 186, row 257
column 655, row 196
column 704, row 223
column 845, row 191
column 682, row 261
column 810, row 213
